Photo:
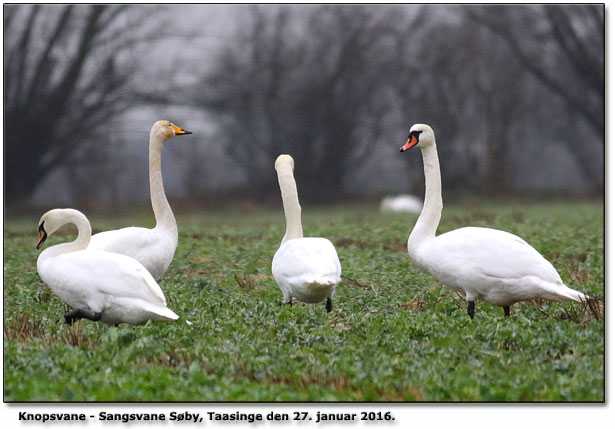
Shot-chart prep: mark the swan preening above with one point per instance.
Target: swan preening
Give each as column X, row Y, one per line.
column 306, row 268
column 487, row 264
column 154, row 248
column 99, row 285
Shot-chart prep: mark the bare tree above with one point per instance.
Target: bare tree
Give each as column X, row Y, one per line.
column 565, row 44
column 306, row 81
column 437, row 85
column 562, row 46
column 67, row 73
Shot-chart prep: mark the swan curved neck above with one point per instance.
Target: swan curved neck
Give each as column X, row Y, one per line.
column 290, row 200
column 84, row 234
column 162, row 209
column 429, row 219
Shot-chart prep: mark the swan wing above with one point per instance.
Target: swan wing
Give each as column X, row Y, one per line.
column 129, row 240
column 307, row 260
column 153, row 248
column 492, row 253
column 107, row 273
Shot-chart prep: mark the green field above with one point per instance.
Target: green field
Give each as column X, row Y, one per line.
column 395, row 334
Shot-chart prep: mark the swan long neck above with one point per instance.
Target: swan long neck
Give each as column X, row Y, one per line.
column 160, row 204
column 429, row 219
column 84, row 234
column 290, row 200
column 84, row 229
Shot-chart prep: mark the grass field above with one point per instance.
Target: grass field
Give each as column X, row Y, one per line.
column 395, row 334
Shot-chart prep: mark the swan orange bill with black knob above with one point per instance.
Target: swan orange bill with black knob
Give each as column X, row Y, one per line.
column 43, row 235
column 413, row 139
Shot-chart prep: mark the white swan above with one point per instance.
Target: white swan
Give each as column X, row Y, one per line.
column 154, row 248
column 403, row 203
column 494, row 266
column 99, row 285
column 305, row 268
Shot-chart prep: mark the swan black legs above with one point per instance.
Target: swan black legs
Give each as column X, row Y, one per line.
column 72, row 317
column 75, row 315
column 471, row 309
column 290, row 302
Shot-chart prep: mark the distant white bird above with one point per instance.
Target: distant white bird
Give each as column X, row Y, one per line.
column 305, row 268
column 494, row 266
column 154, row 248
column 401, row 204
column 99, row 285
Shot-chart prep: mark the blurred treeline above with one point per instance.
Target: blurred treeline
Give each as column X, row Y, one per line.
column 515, row 94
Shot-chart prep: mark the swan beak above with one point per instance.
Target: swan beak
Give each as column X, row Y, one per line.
column 42, row 238
column 412, row 141
column 179, row 131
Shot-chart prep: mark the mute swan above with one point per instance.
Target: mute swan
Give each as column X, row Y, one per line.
column 154, row 248
column 105, row 286
column 495, row 266
column 305, row 268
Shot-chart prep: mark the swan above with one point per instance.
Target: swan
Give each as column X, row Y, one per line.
column 306, row 268
column 154, row 248
column 403, row 203
column 495, row 266
column 99, row 285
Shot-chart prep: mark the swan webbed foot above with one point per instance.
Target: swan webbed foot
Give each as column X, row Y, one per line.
column 72, row 316
column 471, row 309
column 329, row 305
column 507, row 311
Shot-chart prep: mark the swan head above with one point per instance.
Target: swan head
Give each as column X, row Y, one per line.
column 284, row 161
column 420, row 135
column 165, row 130
column 50, row 222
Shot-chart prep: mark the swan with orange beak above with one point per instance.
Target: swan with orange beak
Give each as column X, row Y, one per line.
column 483, row 263
column 155, row 247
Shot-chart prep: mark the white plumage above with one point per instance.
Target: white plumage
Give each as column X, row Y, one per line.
column 100, row 285
column 401, row 204
column 154, row 248
column 487, row 264
column 305, row 268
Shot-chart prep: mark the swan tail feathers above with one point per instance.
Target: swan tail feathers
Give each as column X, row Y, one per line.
column 164, row 313
column 323, row 281
column 168, row 314
column 154, row 288
column 578, row 296
column 561, row 292
column 574, row 295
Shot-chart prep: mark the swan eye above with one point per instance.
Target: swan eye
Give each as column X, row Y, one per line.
column 415, row 134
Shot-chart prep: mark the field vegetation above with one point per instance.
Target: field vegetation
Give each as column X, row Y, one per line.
column 395, row 333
